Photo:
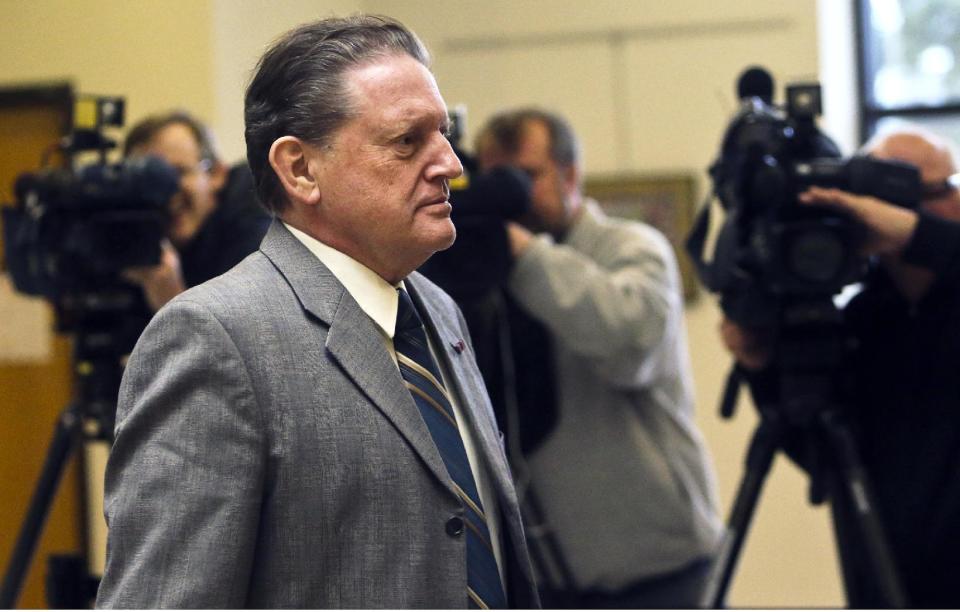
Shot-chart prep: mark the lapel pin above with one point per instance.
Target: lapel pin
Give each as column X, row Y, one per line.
column 458, row 346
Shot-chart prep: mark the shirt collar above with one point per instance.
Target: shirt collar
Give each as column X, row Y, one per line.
column 375, row 296
column 584, row 227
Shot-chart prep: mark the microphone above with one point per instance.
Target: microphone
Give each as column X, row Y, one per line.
column 755, row 82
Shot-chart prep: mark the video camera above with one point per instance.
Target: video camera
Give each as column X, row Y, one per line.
column 770, row 249
column 778, row 266
column 68, row 236
column 73, row 230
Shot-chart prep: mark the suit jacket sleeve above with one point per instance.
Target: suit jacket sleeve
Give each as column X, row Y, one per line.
column 184, row 479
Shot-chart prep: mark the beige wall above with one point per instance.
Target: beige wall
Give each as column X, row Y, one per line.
column 157, row 54
column 648, row 84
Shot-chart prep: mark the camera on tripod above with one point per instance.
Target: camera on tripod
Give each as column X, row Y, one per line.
column 73, row 229
column 777, row 265
column 771, row 249
column 71, row 232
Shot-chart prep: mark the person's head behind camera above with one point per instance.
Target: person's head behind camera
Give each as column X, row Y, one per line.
column 543, row 145
column 933, row 156
column 186, row 144
column 935, row 159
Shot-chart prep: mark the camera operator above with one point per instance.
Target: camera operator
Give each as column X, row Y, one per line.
column 902, row 389
column 623, row 478
column 215, row 219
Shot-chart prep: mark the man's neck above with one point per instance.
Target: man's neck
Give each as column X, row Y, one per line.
column 575, row 210
column 391, row 274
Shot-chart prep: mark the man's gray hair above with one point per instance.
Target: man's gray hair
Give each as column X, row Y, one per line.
column 504, row 131
column 298, row 87
column 141, row 134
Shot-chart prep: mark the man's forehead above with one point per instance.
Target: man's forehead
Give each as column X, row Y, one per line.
column 172, row 141
column 932, row 158
column 395, row 87
column 534, row 140
column 414, row 110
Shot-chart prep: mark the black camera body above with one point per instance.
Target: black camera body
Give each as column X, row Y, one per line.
column 770, row 248
column 72, row 230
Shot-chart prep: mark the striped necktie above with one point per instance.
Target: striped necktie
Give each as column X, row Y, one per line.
column 422, row 377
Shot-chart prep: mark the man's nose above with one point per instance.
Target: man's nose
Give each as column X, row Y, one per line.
column 446, row 165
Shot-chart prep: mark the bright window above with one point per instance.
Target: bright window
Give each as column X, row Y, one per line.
column 909, row 55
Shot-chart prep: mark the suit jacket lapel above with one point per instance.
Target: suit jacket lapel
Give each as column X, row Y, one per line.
column 353, row 341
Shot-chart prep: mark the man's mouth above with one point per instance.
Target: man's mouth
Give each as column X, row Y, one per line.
column 177, row 206
column 443, row 198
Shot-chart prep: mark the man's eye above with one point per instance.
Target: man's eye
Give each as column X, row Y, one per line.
column 407, row 142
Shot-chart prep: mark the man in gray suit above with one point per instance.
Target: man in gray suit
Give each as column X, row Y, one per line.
column 270, row 452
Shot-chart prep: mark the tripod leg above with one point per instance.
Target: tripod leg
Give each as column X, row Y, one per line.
column 858, row 499
column 858, row 585
column 763, row 446
column 557, row 586
column 64, row 438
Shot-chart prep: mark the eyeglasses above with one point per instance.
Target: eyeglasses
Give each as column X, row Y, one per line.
column 941, row 188
column 203, row 166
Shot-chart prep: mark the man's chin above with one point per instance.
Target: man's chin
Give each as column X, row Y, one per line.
column 446, row 241
column 181, row 232
column 440, row 235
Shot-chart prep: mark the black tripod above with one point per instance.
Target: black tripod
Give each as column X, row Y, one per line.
column 558, row 585
column 807, row 413
column 90, row 416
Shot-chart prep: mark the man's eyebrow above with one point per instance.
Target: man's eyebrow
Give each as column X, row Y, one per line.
column 394, row 128
column 406, row 123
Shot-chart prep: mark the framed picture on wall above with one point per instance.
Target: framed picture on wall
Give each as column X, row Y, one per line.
column 664, row 201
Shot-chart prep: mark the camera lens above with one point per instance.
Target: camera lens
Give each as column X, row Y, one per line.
column 816, row 255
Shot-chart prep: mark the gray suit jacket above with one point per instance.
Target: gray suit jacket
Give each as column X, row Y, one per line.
column 267, row 453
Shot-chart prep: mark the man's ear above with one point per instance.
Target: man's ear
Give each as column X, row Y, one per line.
column 218, row 175
column 289, row 157
column 571, row 178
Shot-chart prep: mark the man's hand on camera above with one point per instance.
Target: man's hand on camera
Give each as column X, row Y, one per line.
column 162, row 282
column 519, row 238
column 889, row 227
column 752, row 348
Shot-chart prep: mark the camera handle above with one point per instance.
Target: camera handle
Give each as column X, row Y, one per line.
column 850, row 493
column 728, row 401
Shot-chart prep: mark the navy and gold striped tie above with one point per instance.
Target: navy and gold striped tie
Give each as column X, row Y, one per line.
column 422, row 377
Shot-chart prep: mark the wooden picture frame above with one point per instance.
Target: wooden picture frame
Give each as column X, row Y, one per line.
column 667, row 202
